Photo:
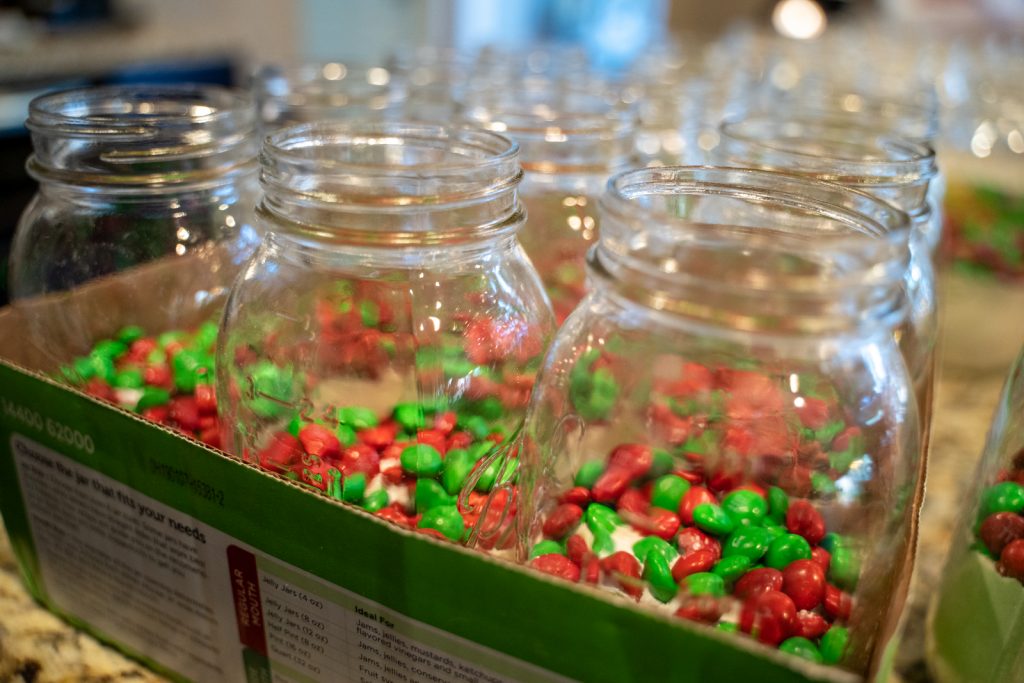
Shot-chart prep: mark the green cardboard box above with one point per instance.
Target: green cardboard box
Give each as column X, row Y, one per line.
column 208, row 569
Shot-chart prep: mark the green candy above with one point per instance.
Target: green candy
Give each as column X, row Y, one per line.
column 108, row 348
column 704, row 583
column 295, row 425
column 152, row 397
column 662, row 463
column 774, row 530
column 353, row 488
column 728, row 626
column 369, row 313
column 458, row 463
column 601, row 519
column 477, row 426
column 410, row 416
column 421, row 459
column 593, row 394
column 652, row 544
column 588, row 473
column 68, row 374
column 732, row 568
column 357, row 417
column 778, row 504
column 823, row 485
column 272, row 389
column 502, row 470
column 205, row 337
column 745, row 507
column 658, row 574
column 156, row 357
column 168, row 338
column 489, row 408
column 832, row 540
column 751, row 542
column 547, row 547
column 801, row 647
column 376, row 500
column 712, row 518
column 83, row 368
column 844, row 568
column 833, row 644
column 1007, row 496
column 346, row 435
column 479, row 450
column 129, row 378
column 430, row 494
column 102, row 367
column 130, row 333
column 786, row 549
column 668, row 490
column 446, row 519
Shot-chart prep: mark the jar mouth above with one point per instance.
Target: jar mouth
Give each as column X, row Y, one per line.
column 758, row 249
column 324, row 90
column 389, row 164
column 829, row 149
column 141, row 135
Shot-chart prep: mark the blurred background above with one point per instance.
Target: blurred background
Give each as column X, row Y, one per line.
column 49, row 44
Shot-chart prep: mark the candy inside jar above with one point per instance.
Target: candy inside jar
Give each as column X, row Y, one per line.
column 385, row 338
column 724, row 429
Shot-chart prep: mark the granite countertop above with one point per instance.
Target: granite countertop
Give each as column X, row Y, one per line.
column 37, row 646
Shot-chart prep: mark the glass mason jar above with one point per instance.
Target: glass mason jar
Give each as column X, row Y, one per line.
column 386, row 334
column 723, row 429
column 864, row 158
column 329, row 91
column 975, row 631
column 142, row 219
column 572, row 141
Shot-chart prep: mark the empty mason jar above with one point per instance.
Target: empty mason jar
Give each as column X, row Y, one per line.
column 975, row 630
column 389, row 318
column 572, row 140
column 143, row 215
column 327, row 91
column 725, row 419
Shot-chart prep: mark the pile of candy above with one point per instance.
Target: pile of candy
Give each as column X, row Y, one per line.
column 985, row 230
column 408, row 467
column 1000, row 527
column 702, row 548
column 167, row 379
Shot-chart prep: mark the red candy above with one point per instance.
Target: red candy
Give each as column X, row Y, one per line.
column 633, row 458
column 804, row 582
column 321, row 441
column 562, row 520
column 577, row 496
column 803, row 519
column 206, row 399
column 633, row 505
column 1000, row 529
column 696, row 561
column 659, row 522
column 576, row 549
column 758, row 581
column 701, row 609
column 813, row 412
column 557, row 565
column 691, row 499
column 361, row 458
column 612, row 483
column 810, row 625
column 838, row 604
column 1011, row 560
column 822, row 557
column 625, row 569
column 692, row 539
column 770, row 617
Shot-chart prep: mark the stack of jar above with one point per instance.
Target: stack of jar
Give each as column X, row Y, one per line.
column 722, row 428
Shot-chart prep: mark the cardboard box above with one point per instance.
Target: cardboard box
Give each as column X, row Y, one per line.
column 208, row 569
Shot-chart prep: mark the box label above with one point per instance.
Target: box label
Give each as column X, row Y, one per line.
column 166, row 584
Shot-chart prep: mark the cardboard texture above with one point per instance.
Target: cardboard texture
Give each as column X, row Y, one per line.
column 243, row 564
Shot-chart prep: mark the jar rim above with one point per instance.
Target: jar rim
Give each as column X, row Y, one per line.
column 280, row 146
column 551, row 110
column 333, row 74
column 135, row 110
column 886, row 159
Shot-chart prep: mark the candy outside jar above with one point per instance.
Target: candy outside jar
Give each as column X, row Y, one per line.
column 384, row 338
column 572, row 140
column 976, row 619
column 143, row 218
column 723, row 430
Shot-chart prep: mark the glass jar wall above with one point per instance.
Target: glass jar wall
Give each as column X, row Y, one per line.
column 725, row 420
column 142, row 219
column 389, row 318
column 976, row 621
column 572, row 140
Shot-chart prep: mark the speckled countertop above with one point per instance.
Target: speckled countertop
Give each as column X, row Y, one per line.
column 36, row 646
